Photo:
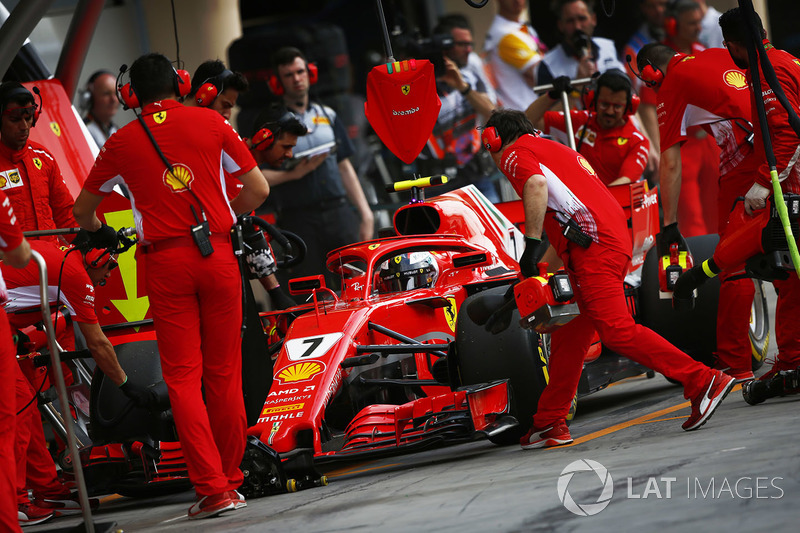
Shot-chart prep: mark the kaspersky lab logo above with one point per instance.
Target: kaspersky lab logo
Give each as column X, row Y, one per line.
column 585, row 465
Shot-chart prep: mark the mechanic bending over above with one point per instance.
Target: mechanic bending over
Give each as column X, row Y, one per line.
column 29, row 174
column 604, row 133
column 14, row 251
column 79, row 273
column 170, row 159
column 216, row 87
column 562, row 194
column 744, row 237
column 718, row 102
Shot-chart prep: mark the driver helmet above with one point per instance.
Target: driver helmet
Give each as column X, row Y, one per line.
column 407, row 271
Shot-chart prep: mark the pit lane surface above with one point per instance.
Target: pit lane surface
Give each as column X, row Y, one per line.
column 740, row 471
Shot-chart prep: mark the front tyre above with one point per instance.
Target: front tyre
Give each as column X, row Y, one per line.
column 514, row 354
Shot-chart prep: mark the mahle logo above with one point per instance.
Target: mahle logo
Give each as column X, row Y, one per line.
column 585, row 509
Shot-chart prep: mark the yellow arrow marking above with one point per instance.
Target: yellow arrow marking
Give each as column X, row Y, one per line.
column 132, row 308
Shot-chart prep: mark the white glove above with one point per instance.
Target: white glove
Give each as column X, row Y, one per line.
column 756, row 198
column 261, row 262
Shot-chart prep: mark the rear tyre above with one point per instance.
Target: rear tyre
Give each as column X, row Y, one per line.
column 515, row 354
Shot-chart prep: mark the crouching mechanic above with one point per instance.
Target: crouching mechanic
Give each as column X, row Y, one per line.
column 604, row 133
column 79, row 272
column 562, row 194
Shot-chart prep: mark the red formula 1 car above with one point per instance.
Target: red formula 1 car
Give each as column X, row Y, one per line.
column 366, row 371
column 399, row 360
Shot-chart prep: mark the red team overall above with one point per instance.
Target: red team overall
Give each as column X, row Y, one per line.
column 719, row 102
column 16, row 252
column 76, row 280
column 195, row 299
column 786, row 146
column 29, row 175
column 604, row 133
column 557, row 184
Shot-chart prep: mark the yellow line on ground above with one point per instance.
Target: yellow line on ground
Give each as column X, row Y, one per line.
column 110, row 498
column 346, row 470
column 640, row 420
column 665, row 419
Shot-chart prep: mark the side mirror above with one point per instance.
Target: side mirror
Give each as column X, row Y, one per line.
column 306, row 285
column 472, row 259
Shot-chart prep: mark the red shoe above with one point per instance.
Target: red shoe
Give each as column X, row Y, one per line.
column 212, row 505
column 237, row 498
column 555, row 435
column 704, row 405
column 740, row 375
column 30, row 514
column 67, row 504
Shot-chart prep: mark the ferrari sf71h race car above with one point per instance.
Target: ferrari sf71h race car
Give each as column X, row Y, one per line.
column 410, row 353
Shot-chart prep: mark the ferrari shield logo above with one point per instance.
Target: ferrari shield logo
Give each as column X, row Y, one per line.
column 55, row 128
column 373, row 246
column 622, row 141
column 160, row 117
column 451, row 313
column 405, row 89
column 37, row 163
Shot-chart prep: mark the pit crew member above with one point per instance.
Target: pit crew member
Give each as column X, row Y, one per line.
column 79, row 273
column 562, row 195
column 29, row 175
column 14, row 251
column 719, row 102
column 604, row 133
column 731, row 251
column 171, row 160
column 216, row 87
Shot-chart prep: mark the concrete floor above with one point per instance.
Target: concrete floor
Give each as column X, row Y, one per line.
column 741, row 471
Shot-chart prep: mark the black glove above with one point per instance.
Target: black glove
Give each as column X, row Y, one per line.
column 105, row 237
column 560, row 85
column 280, row 300
column 141, row 396
column 668, row 235
column 534, row 250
